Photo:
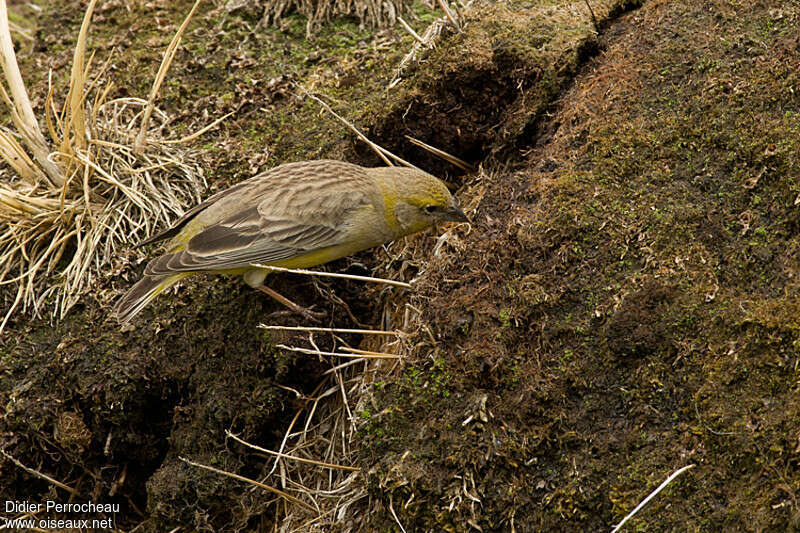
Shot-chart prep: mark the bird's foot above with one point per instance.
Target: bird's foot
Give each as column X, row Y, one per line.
column 307, row 312
column 315, row 317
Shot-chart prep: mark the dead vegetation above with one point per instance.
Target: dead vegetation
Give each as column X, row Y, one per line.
column 376, row 14
column 105, row 178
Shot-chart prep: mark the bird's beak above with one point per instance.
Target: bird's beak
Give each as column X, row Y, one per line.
column 455, row 214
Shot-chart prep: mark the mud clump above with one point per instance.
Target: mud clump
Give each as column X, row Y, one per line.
column 637, row 328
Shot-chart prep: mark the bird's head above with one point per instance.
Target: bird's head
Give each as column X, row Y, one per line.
column 420, row 200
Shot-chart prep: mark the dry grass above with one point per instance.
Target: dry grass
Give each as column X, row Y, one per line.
column 88, row 189
column 315, row 461
column 452, row 20
column 313, row 472
column 373, row 13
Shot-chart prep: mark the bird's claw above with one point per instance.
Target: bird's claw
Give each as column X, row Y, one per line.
column 314, row 316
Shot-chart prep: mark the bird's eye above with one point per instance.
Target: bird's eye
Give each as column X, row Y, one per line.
column 430, row 209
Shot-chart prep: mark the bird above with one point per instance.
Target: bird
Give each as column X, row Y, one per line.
column 295, row 215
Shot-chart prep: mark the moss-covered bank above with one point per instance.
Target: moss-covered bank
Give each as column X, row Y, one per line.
column 625, row 304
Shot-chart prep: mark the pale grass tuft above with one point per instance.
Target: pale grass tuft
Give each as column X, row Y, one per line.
column 427, row 41
column 65, row 213
column 373, row 13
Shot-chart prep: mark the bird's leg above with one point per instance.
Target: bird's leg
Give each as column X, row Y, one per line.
column 308, row 313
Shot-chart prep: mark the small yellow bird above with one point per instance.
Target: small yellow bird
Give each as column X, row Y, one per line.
column 296, row 215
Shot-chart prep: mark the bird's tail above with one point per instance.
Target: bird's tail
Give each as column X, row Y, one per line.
column 142, row 293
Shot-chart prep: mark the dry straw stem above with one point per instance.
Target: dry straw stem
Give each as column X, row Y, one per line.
column 56, row 235
column 278, row 492
column 22, row 111
column 651, row 496
column 354, row 353
column 334, row 275
column 411, row 31
column 38, row 474
column 332, row 330
column 370, row 354
column 394, row 515
column 450, row 15
column 292, row 457
column 169, row 55
column 460, row 163
column 74, row 110
column 382, row 152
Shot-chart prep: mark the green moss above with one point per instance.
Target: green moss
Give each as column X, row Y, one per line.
column 505, row 318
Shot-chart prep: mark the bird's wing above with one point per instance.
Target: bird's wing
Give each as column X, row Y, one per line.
column 277, row 179
column 266, row 233
column 188, row 215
